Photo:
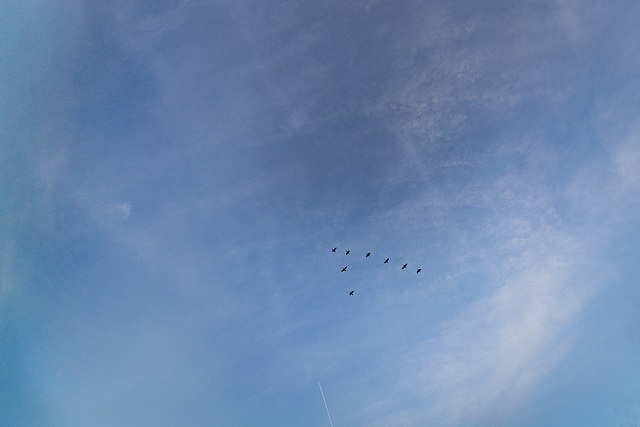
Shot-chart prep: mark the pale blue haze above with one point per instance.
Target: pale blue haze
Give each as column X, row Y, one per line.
column 173, row 176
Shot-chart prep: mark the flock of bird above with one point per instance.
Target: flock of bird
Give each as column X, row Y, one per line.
column 386, row 261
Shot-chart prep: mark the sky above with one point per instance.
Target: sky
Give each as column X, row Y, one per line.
column 174, row 175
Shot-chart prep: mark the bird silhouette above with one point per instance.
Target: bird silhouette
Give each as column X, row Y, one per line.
column 347, row 253
column 344, row 269
column 334, row 249
column 419, row 270
column 386, row 261
column 351, row 293
column 368, row 255
column 404, row 266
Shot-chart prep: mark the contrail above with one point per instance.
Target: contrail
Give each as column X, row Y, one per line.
column 325, row 404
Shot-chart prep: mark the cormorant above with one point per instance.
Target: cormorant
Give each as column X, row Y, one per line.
column 347, row 253
column 404, row 266
column 344, row 269
column 386, row 261
column 351, row 293
column 334, row 249
column 368, row 255
column 419, row 270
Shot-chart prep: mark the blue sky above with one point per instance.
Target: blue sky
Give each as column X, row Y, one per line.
column 173, row 176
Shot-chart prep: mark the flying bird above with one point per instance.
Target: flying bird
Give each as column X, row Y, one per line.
column 386, row 261
column 347, row 253
column 419, row 270
column 334, row 249
column 344, row 269
column 404, row 266
column 351, row 293
column 368, row 255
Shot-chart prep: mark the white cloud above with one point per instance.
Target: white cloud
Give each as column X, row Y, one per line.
column 627, row 163
column 487, row 361
column 579, row 20
column 120, row 211
column 511, row 330
column 497, row 348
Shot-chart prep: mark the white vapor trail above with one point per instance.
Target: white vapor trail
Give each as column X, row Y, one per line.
column 325, row 404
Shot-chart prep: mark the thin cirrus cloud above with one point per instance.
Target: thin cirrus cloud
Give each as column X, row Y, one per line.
column 202, row 160
column 120, row 211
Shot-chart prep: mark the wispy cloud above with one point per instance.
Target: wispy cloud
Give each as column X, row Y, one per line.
column 627, row 164
column 120, row 211
column 497, row 348
column 474, row 142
